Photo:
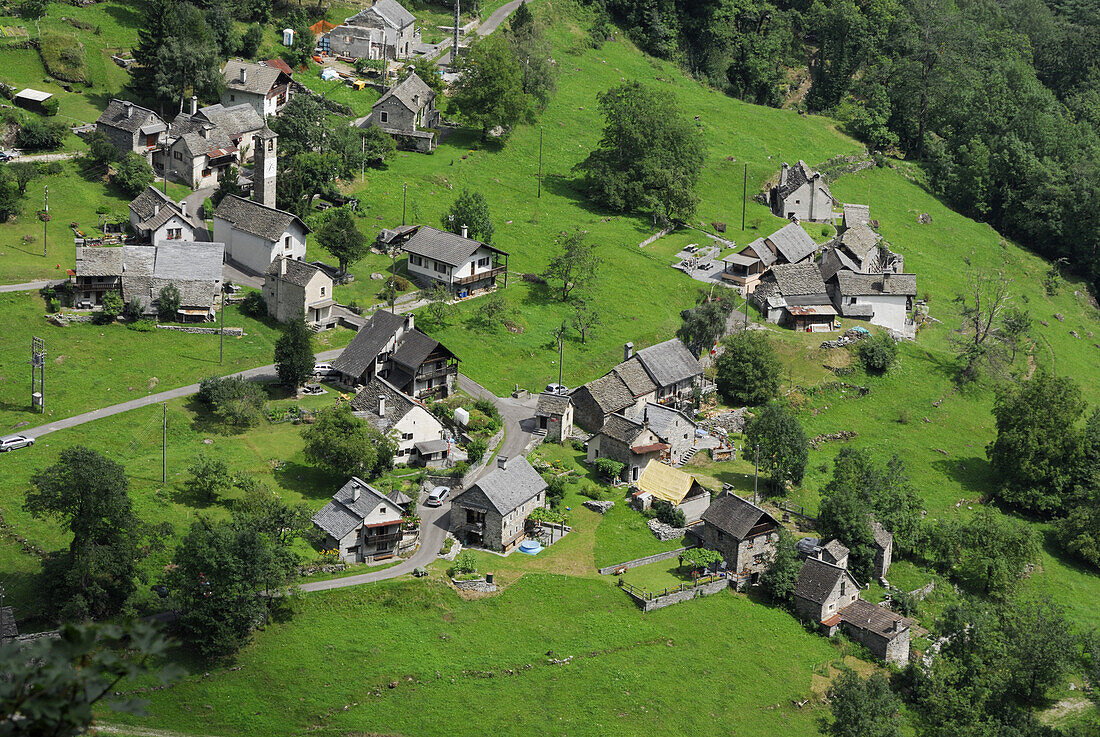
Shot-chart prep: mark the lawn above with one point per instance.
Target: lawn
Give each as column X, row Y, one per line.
column 430, row 655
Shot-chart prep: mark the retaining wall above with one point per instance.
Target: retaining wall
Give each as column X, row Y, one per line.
column 235, row 332
column 686, row 592
column 480, row 585
column 643, row 561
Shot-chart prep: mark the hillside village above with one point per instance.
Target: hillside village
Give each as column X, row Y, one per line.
column 486, row 360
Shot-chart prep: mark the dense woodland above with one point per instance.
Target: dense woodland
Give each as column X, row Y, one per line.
column 1000, row 99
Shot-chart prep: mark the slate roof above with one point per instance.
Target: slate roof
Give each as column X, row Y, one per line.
column 793, row 243
column 795, row 280
column 797, row 175
column 610, row 393
column 409, row 88
column 620, row 428
column 634, row 375
column 235, row 119
column 343, row 514
column 834, row 260
column 298, row 272
column 216, row 143
column 817, row 579
column 853, row 284
column 660, row 418
column 552, row 404
column 252, row 217
column 115, row 116
column 368, row 342
column 154, row 209
column 735, row 516
column 836, row 549
column 365, row 404
column 859, row 240
column 883, row 537
column 856, row 214
column 98, row 261
column 259, row 78
column 669, row 363
column 389, row 10
column 429, row 447
column 866, row 616
column 508, row 488
column 189, row 261
column 760, row 248
column 444, row 246
column 414, row 348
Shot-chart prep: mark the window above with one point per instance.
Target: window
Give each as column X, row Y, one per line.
column 232, row 98
column 385, row 116
column 843, row 586
column 406, row 436
column 400, row 452
column 323, row 294
column 286, row 243
column 175, row 233
column 441, row 268
column 415, row 260
column 351, row 549
column 271, row 144
column 382, row 510
column 206, row 172
column 178, row 156
column 483, row 262
column 851, row 300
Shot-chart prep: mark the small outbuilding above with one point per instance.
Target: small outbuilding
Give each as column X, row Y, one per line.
column 682, row 490
column 34, row 100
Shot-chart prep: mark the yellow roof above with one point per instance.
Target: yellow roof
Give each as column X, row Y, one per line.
column 665, row 482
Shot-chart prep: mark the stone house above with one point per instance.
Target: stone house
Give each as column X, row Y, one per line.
column 884, row 549
column 461, row 264
column 97, row 271
column 204, row 143
column 795, row 296
column 405, row 111
column 743, row 533
column 833, row 551
column 493, row 512
column 555, row 415
column 823, row 589
column 628, row 442
column 416, row 431
column 264, row 85
column 361, row 522
column 130, row 127
column 854, row 215
column 882, row 299
column 666, row 374
column 296, row 289
column 154, row 218
column 659, row 481
column 390, row 346
column 801, row 194
column 255, row 234
column 385, row 30
column 672, row 426
column 791, row 244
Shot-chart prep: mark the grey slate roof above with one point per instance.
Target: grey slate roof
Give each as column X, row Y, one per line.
column 836, row 549
column 428, row 447
column 797, row 175
column 98, row 261
column 859, row 240
column 883, row 537
column 414, row 347
column 412, row 92
column 610, row 393
column 735, row 516
column 856, row 214
column 343, row 514
column 798, row 279
column 834, row 260
column 259, row 79
column 368, row 342
column 443, row 246
column 866, row 616
column 552, row 404
column 506, row 489
column 252, row 217
column 817, row 579
column 154, row 209
column 235, row 119
column 620, row 428
column 635, row 377
column 660, row 418
column 793, row 243
column 298, row 272
column 398, row 405
column 115, row 116
column 760, row 248
column 189, row 261
column 389, row 10
column 853, row 284
column 669, row 363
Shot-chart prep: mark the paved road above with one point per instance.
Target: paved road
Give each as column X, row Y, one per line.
column 433, row 526
column 497, row 17
column 519, row 419
column 263, row 373
column 31, row 286
column 42, row 158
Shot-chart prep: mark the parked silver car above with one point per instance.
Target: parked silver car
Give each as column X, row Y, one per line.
column 439, row 495
column 11, row 442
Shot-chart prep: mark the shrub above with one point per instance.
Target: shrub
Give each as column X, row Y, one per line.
column 41, row 135
column 460, row 468
column 669, row 514
column 590, row 489
column 254, row 306
column 235, row 401
column 542, row 514
column 142, row 326
column 51, row 106
column 878, row 353
column 447, row 545
column 608, row 467
column 475, row 450
column 555, row 491
column 442, row 411
column 400, row 283
column 578, row 445
column 112, row 304
column 133, row 174
column 488, row 409
column 132, row 311
column 465, row 562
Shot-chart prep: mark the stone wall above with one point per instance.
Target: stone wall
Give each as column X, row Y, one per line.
column 233, row 332
column 480, row 585
column 643, row 561
column 686, row 592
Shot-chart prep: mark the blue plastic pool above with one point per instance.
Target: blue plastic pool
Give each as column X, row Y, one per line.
column 530, row 547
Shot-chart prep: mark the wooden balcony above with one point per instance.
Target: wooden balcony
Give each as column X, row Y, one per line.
column 480, row 276
column 428, row 375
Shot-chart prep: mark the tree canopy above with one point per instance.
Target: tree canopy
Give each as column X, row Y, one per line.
column 294, row 353
column 490, row 91
column 340, row 237
column 575, row 265
column 748, row 370
column 784, row 451
column 469, row 210
column 345, row 445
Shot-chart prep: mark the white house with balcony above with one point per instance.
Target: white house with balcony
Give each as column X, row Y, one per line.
column 461, row 264
column 255, row 235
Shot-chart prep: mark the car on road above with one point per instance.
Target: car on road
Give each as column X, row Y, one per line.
column 439, row 495
column 324, row 369
column 11, row 442
column 560, row 389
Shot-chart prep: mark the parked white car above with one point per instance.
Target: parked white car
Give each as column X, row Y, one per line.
column 323, row 369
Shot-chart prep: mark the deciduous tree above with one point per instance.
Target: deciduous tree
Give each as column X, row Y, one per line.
column 344, row 445
column 575, row 265
column 340, row 237
column 781, row 575
column 748, row 370
column 490, row 91
column 294, row 360
column 863, row 708
column 209, row 477
column 783, row 447
column 133, row 175
column 470, row 211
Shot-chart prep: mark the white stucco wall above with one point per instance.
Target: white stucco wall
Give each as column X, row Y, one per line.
column 422, row 425
column 254, row 252
column 889, row 310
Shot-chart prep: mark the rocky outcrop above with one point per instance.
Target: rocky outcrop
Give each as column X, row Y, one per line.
column 599, row 506
column 664, row 532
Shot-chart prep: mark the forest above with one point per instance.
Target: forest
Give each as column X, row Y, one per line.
column 1000, row 100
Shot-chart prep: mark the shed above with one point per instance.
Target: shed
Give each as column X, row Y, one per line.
column 34, row 100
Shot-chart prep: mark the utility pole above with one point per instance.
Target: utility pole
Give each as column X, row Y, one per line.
column 221, row 332
column 164, row 444
column 744, row 197
column 45, row 219
column 561, row 352
column 363, row 163
column 38, row 373
column 393, row 278
column 539, row 196
column 756, row 475
column 404, row 198
column 454, row 44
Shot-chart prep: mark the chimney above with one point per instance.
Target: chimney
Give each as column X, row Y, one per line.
column 355, row 493
column 194, row 104
column 129, row 107
column 183, row 207
column 282, row 266
column 410, row 322
column 819, row 553
column 502, row 463
column 628, row 351
column 886, row 282
column 897, row 625
column 381, row 405
column 783, row 173
column 465, row 230
column 244, row 75
column 156, row 209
